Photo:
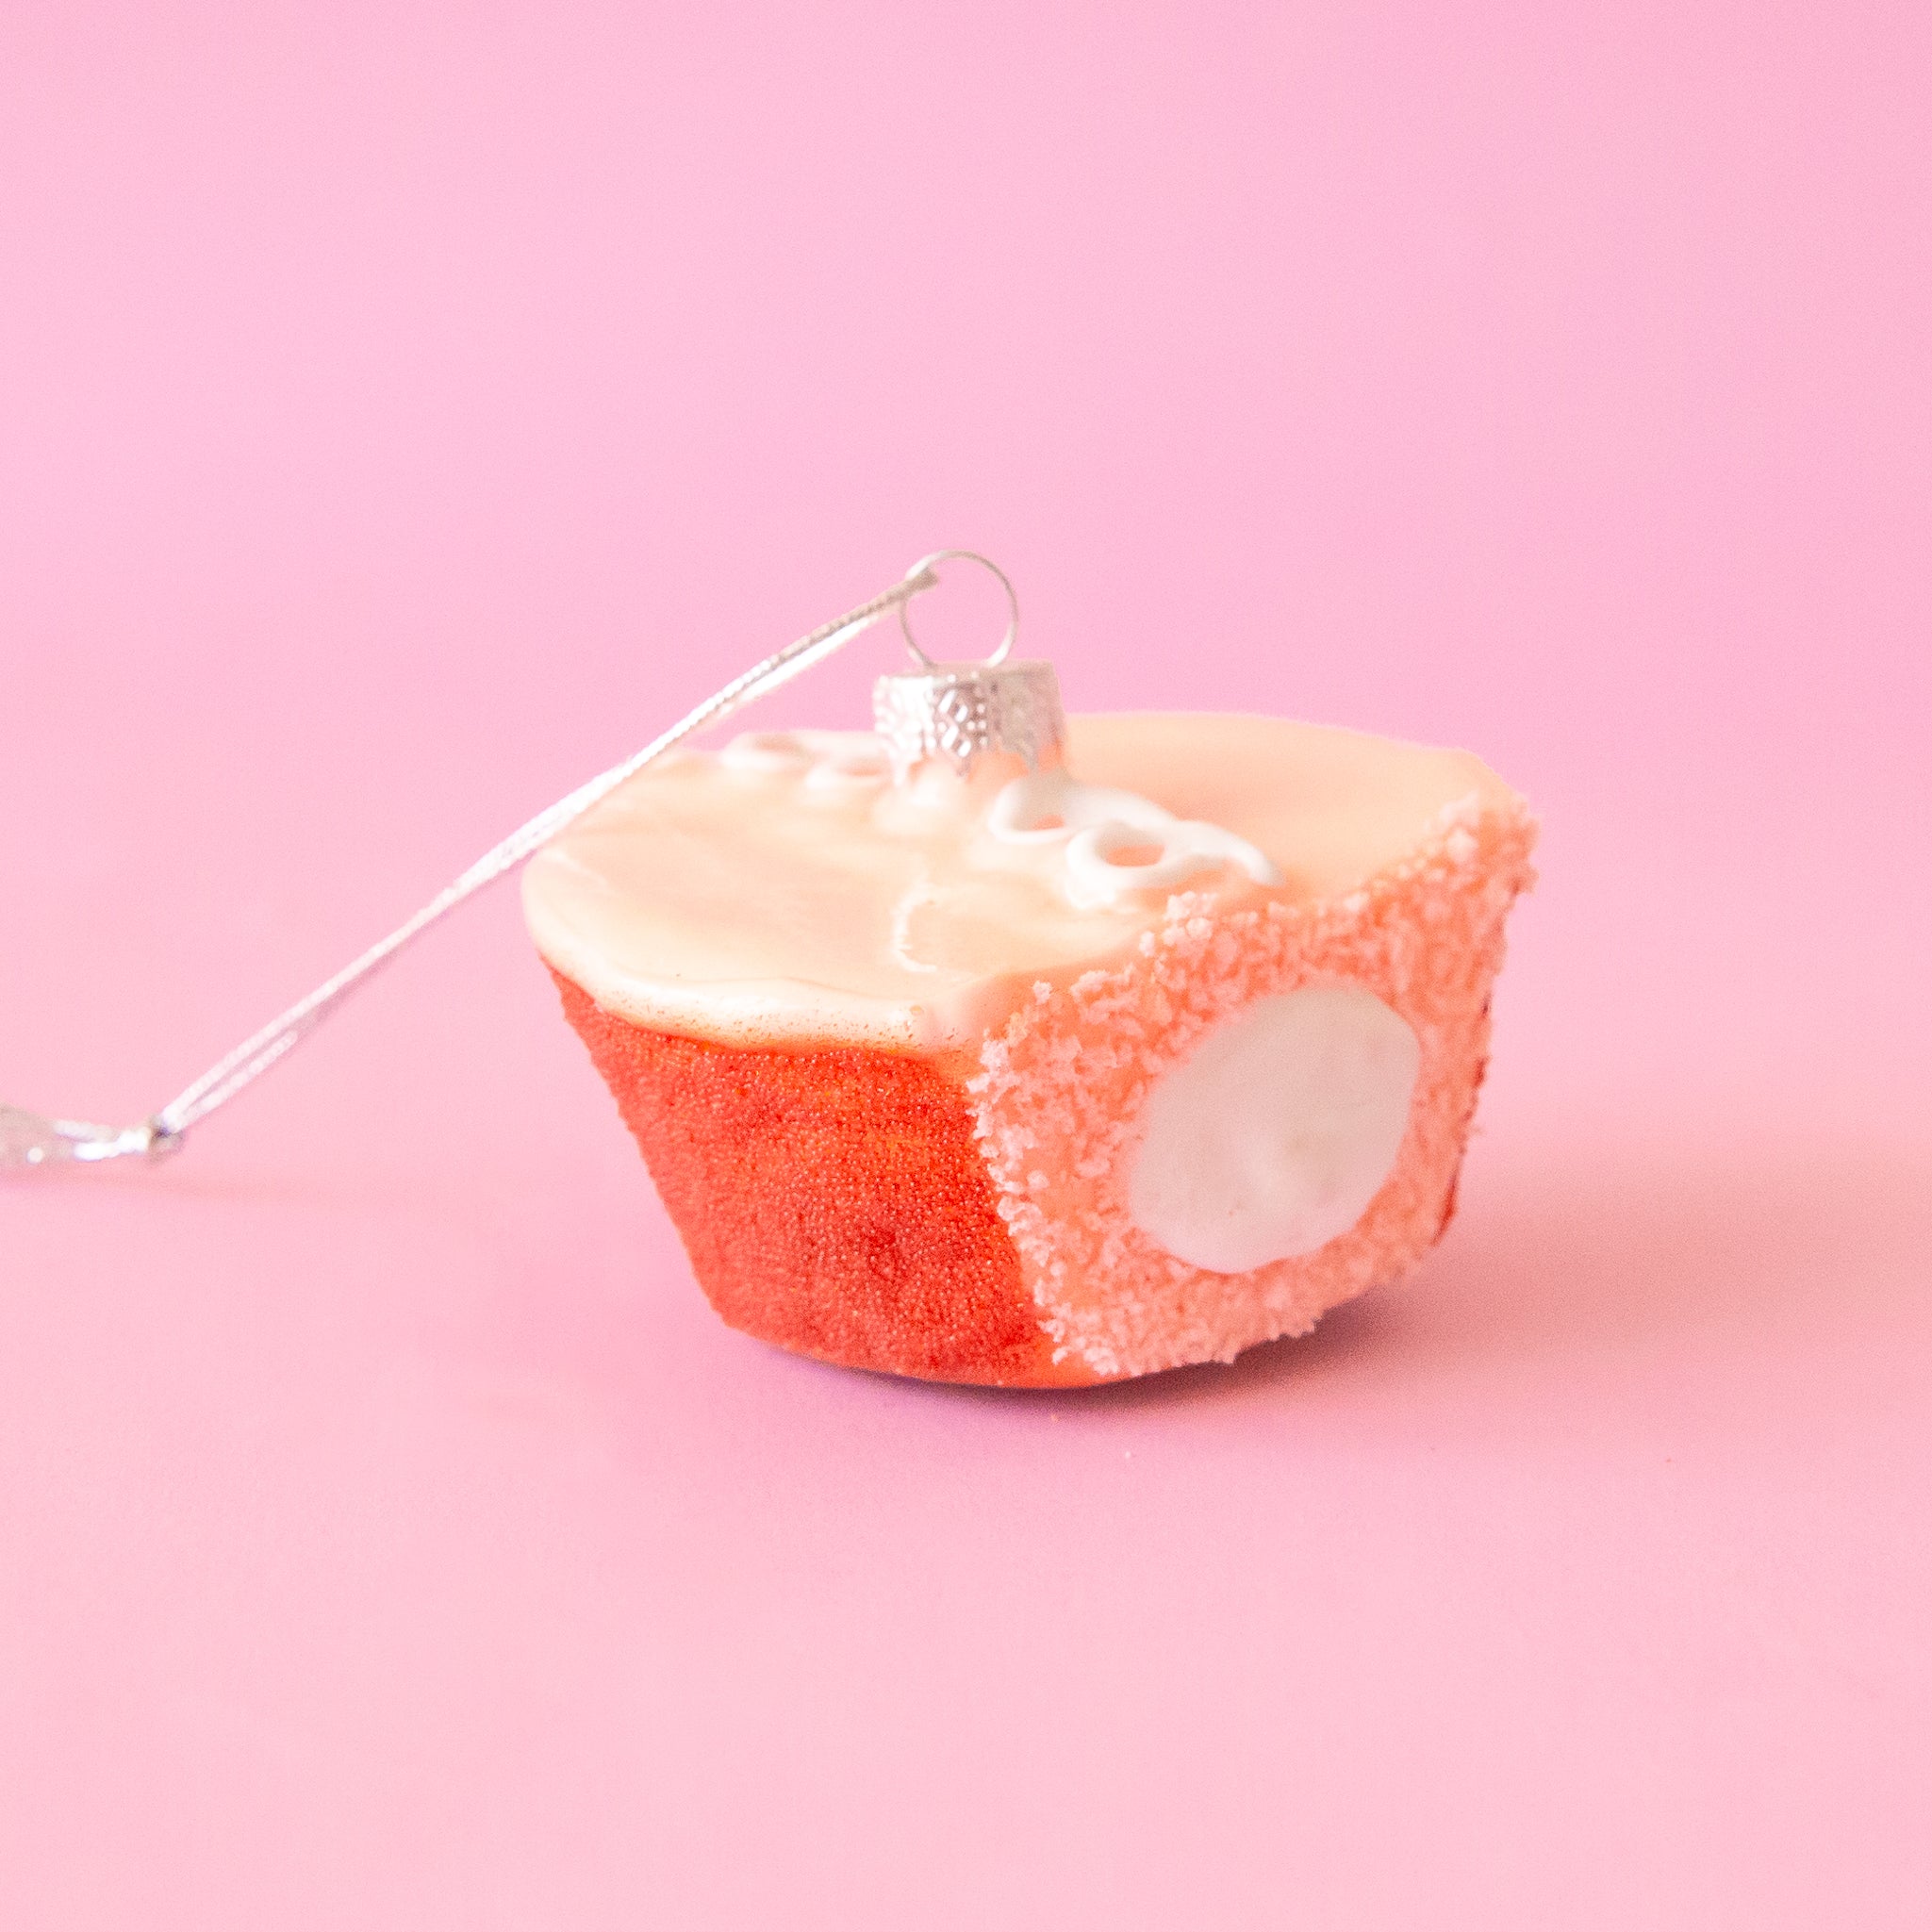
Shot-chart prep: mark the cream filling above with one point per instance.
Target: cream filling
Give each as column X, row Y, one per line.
column 1276, row 1133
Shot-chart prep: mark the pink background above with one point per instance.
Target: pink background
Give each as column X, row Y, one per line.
column 404, row 410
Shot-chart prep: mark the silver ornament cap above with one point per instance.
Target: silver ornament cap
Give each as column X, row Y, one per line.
column 963, row 713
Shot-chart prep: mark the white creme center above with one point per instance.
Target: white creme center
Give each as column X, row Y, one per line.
column 1275, row 1135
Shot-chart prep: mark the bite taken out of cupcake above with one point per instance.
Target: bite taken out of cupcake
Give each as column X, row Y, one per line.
column 999, row 1047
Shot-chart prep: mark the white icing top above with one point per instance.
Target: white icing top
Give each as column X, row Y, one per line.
column 784, row 890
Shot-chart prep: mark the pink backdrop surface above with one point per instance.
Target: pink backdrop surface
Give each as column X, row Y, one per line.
column 404, row 411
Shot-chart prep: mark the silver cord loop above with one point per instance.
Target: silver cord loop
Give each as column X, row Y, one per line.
column 32, row 1140
column 924, row 568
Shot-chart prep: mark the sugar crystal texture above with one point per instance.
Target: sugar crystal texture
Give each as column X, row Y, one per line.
column 916, row 1103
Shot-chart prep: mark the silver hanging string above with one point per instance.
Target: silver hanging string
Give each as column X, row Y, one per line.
column 33, row 1140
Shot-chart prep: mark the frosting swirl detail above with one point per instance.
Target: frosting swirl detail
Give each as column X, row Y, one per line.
column 1116, row 842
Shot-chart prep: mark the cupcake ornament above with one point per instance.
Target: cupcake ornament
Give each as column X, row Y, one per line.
column 994, row 1045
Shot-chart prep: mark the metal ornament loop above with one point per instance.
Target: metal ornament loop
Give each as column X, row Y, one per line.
column 924, row 567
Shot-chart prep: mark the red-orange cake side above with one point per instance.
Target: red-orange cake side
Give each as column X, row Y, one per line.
column 833, row 1200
